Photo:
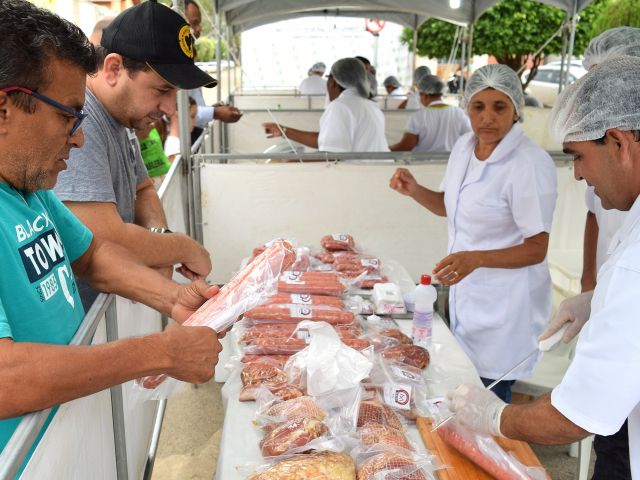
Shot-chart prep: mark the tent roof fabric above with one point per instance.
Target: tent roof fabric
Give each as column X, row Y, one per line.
column 246, row 14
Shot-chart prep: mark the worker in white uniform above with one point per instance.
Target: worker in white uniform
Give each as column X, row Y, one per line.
column 393, row 87
column 413, row 96
column 350, row 123
column 598, row 120
column 437, row 126
column 314, row 84
column 612, row 451
column 498, row 195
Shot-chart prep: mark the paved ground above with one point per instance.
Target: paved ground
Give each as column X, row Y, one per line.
column 190, row 440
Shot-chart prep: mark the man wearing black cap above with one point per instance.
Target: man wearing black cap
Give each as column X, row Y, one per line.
column 205, row 114
column 146, row 55
column 43, row 73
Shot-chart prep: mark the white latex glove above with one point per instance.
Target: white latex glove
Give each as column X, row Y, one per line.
column 575, row 311
column 478, row 408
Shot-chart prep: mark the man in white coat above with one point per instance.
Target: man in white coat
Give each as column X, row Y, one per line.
column 314, row 84
column 350, row 123
column 598, row 120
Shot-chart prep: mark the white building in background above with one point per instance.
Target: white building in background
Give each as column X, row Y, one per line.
column 279, row 54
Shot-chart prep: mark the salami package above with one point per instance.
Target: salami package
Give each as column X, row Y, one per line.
column 483, row 450
column 317, row 465
column 249, row 288
column 385, row 462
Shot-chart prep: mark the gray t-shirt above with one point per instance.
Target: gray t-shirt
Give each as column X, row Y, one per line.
column 107, row 168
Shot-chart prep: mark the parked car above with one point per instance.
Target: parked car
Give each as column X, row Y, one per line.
column 544, row 85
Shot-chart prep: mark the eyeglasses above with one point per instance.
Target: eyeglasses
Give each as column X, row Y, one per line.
column 79, row 115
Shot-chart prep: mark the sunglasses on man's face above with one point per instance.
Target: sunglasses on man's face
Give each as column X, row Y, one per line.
column 79, row 115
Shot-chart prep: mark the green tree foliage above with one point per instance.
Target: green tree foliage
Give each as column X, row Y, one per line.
column 511, row 31
column 617, row 13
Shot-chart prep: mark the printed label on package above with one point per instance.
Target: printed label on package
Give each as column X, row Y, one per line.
column 339, row 237
column 301, row 311
column 397, row 395
column 301, row 298
column 292, row 277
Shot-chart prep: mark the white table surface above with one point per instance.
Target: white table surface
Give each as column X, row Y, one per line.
column 239, row 445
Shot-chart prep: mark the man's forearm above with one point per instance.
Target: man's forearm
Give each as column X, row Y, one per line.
column 539, row 422
column 148, row 208
column 310, row 139
column 590, row 248
column 42, row 376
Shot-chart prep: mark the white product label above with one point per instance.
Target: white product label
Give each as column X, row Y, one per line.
column 300, row 311
column 370, row 262
column 422, row 328
column 339, row 237
column 292, row 276
column 304, row 335
column 402, row 373
column 397, row 395
column 301, row 298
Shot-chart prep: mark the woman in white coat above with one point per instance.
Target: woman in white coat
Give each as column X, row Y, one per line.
column 498, row 195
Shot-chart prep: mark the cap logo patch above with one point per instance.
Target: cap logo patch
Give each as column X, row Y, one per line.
column 186, row 42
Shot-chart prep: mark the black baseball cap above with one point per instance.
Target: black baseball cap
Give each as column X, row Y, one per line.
column 153, row 33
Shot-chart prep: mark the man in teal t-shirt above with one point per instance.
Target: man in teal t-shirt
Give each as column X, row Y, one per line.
column 42, row 93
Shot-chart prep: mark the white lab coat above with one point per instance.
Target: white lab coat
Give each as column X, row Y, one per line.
column 609, row 222
column 413, row 100
column 313, row 85
column 496, row 313
column 351, row 123
column 601, row 387
column 438, row 127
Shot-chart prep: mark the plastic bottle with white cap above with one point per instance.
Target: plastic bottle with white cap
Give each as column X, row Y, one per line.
column 425, row 296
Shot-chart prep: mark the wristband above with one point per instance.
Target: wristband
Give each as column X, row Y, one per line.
column 159, row 230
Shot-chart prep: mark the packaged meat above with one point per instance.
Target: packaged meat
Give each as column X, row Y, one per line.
column 312, row 466
column 263, row 372
column 397, row 334
column 249, row 288
column 325, row 257
column 390, row 465
column 356, row 262
column 408, row 354
column 274, row 346
column 286, row 330
column 305, row 299
column 277, row 360
column 372, row 411
column 283, row 391
column 370, row 280
column 312, row 287
column 338, row 241
column 378, row 434
column 297, row 313
column 486, row 453
column 276, row 413
column 295, row 276
column 303, row 261
column 292, row 434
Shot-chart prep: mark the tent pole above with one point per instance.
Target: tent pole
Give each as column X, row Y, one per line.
column 470, row 48
column 563, row 57
column 218, row 46
column 572, row 39
column 414, row 59
column 463, row 58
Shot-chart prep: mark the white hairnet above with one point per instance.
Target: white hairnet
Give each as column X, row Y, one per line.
column 499, row 77
column 318, row 68
column 420, row 72
column 350, row 73
column 612, row 43
column 431, row 85
column 391, row 81
column 606, row 97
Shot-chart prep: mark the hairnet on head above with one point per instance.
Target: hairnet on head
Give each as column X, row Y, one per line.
column 373, row 84
column 606, row 97
column 499, row 77
column 391, row 81
column 431, row 85
column 350, row 73
column 318, row 68
column 612, row 43
column 420, row 72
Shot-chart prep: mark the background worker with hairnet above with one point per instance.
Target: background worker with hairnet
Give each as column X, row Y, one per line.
column 598, row 120
column 413, row 96
column 393, row 87
column 612, row 451
column 498, row 194
column 350, row 123
column 314, row 84
column 437, row 126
